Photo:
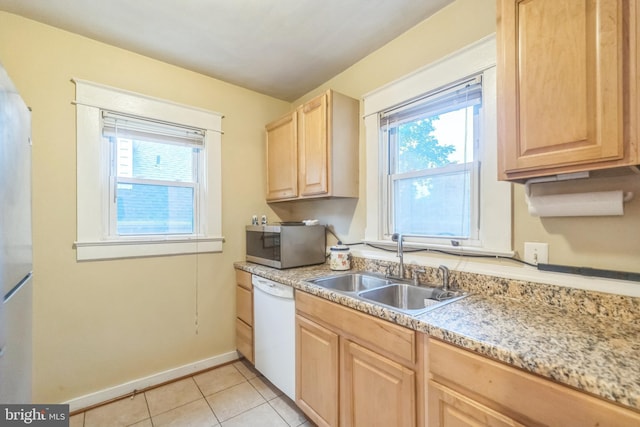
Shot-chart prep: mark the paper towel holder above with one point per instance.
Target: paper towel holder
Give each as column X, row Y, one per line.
column 552, row 178
column 626, row 196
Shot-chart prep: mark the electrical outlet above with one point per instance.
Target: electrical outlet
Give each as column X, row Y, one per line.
column 536, row 253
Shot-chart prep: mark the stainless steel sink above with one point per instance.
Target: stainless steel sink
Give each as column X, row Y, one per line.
column 352, row 282
column 410, row 298
column 377, row 289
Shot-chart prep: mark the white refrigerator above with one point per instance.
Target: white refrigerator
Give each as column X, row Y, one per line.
column 15, row 246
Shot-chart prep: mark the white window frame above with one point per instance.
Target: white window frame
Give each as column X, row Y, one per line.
column 495, row 204
column 93, row 239
column 386, row 148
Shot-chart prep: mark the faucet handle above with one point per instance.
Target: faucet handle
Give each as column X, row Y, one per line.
column 414, row 275
column 445, row 277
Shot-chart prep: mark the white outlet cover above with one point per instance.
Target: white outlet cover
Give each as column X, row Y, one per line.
column 536, row 253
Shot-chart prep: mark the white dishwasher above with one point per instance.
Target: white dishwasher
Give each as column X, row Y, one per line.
column 274, row 333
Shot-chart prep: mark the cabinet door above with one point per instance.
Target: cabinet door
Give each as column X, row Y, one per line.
column 375, row 391
column 560, row 94
column 317, row 372
column 282, row 158
column 313, row 146
column 448, row 408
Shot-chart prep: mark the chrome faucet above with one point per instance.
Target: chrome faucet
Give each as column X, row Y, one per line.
column 396, row 237
column 445, row 277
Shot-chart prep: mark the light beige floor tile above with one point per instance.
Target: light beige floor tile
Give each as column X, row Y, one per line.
column 123, row 412
column 194, row 414
column 218, row 379
column 143, row 423
column 234, row 401
column 170, row 396
column 77, row 420
column 263, row 416
column 288, row 410
column 265, row 388
column 246, row 369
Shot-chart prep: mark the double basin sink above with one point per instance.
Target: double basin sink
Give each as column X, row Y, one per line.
column 403, row 297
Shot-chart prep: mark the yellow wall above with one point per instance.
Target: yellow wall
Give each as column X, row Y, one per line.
column 100, row 324
column 600, row 242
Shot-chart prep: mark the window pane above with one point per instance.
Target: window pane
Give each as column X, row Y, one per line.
column 154, row 209
column 431, row 166
column 434, row 141
column 435, row 206
column 153, row 160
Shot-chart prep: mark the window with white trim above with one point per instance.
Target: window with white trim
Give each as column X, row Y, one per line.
column 148, row 175
column 155, row 171
column 431, row 168
column 432, row 157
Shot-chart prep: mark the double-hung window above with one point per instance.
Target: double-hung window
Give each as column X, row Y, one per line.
column 430, row 147
column 432, row 157
column 148, row 175
column 155, row 171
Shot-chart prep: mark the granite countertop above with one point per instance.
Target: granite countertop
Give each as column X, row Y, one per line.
column 595, row 354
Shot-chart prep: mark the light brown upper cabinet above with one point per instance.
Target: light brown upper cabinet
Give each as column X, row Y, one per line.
column 567, row 86
column 282, row 158
column 313, row 151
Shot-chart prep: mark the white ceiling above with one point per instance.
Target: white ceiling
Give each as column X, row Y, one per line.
column 282, row 48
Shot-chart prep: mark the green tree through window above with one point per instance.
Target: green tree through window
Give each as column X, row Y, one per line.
column 418, row 147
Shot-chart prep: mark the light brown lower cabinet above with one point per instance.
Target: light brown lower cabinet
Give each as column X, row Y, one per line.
column 467, row 389
column 375, row 390
column 355, row 370
column 244, row 314
column 317, row 377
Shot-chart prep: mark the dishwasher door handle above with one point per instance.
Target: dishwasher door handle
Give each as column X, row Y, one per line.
column 273, row 288
column 266, row 283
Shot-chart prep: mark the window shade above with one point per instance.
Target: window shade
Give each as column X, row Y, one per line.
column 463, row 94
column 123, row 126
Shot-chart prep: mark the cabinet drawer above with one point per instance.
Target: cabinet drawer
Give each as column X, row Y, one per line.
column 447, row 407
column 244, row 305
column 519, row 395
column 383, row 336
column 244, row 339
column 243, row 279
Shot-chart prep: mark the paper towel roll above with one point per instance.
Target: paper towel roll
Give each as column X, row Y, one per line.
column 603, row 203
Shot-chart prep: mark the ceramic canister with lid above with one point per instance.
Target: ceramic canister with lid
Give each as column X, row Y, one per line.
column 340, row 258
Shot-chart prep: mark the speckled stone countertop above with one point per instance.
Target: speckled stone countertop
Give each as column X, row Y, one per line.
column 586, row 340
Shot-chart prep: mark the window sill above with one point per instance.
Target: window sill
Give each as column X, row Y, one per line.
column 115, row 249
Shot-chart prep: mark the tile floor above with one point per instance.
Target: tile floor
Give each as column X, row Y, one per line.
column 233, row 395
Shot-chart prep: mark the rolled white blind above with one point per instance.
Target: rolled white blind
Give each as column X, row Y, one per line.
column 457, row 96
column 116, row 125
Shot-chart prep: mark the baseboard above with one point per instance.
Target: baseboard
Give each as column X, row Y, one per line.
column 127, row 388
